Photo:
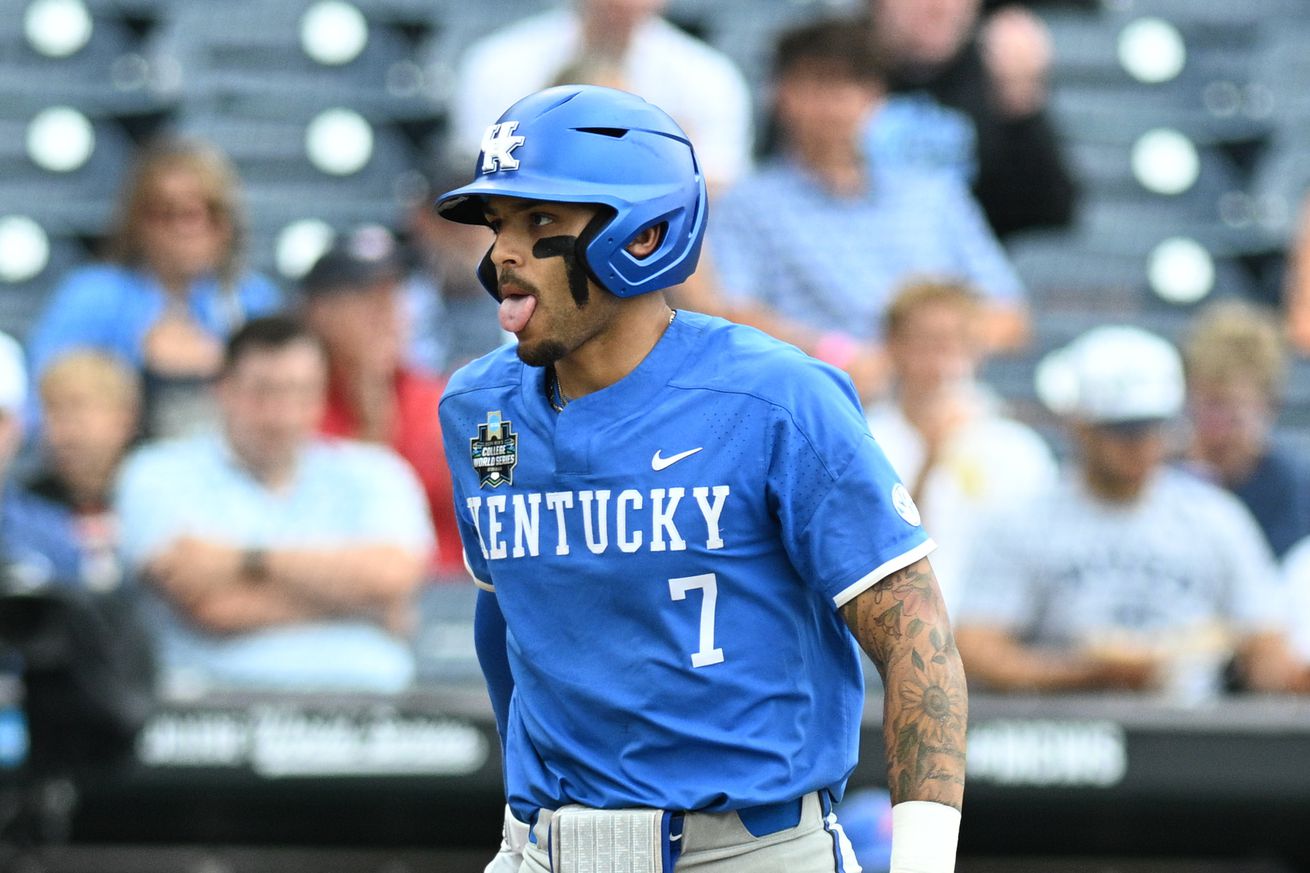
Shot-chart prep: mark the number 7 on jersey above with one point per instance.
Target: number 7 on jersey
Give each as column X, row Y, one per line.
column 709, row 588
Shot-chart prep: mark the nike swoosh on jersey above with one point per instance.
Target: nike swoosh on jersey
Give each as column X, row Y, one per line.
column 658, row 463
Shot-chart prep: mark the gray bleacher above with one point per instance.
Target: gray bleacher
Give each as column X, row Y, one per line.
column 235, row 73
column 1241, row 99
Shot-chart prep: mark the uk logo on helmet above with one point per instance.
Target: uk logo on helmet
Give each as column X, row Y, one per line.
column 497, row 145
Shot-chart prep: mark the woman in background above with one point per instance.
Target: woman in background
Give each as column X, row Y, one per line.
column 171, row 289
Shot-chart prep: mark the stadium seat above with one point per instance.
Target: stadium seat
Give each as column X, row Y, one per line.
column 74, row 201
column 250, row 60
column 1085, row 46
column 1220, row 13
column 108, row 74
column 1123, row 113
column 273, row 207
column 1282, row 181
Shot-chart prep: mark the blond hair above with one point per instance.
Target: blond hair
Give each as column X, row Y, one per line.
column 926, row 292
column 1233, row 341
column 105, row 376
column 217, row 176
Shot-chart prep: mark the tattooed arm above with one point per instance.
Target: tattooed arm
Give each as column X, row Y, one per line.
column 901, row 622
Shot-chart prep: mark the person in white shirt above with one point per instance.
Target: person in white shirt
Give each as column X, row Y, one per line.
column 943, row 431
column 696, row 84
column 1126, row 574
column 272, row 558
column 1296, row 574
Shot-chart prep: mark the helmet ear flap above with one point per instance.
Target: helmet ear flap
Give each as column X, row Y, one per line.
column 598, row 223
column 604, row 258
column 487, row 275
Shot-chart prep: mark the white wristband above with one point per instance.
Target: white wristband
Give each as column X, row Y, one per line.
column 924, row 835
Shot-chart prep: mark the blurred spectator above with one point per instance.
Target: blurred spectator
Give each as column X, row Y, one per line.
column 34, row 543
column 451, row 316
column 173, row 287
column 91, row 405
column 812, row 246
column 73, row 647
column 1236, row 369
column 1296, row 573
column 353, row 303
column 697, row 85
column 945, row 433
column 1297, row 292
column 283, row 560
column 996, row 75
column 1126, row 574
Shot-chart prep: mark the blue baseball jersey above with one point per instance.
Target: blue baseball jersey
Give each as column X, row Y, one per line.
column 670, row 554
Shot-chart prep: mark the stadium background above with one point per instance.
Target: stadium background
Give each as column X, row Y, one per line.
column 1186, row 122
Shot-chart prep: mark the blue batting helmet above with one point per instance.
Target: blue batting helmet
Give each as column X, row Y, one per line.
column 587, row 144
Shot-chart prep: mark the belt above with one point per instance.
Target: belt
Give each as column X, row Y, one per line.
column 769, row 818
column 704, row 831
column 760, row 820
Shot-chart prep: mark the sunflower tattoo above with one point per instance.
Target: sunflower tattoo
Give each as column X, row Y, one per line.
column 902, row 625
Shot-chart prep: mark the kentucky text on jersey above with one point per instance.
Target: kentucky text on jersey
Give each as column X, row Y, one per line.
column 629, row 521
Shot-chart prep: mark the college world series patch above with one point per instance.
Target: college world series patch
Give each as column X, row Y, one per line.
column 495, row 451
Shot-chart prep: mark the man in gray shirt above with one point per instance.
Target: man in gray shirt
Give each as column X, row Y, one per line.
column 1124, row 574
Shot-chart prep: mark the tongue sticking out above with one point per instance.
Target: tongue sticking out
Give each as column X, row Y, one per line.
column 515, row 312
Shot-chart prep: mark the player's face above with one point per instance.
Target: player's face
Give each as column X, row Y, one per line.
column 547, row 299
column 1120, row 459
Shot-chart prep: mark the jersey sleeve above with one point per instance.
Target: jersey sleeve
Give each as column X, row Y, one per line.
column 489, row 636
column 455, row 443
column 847, row 520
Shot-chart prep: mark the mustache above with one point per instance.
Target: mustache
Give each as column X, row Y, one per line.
column 509, row 277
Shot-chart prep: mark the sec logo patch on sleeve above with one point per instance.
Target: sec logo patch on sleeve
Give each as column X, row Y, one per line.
column 904, row 505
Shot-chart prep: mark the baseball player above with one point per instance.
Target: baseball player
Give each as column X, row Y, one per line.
column 682, row 527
